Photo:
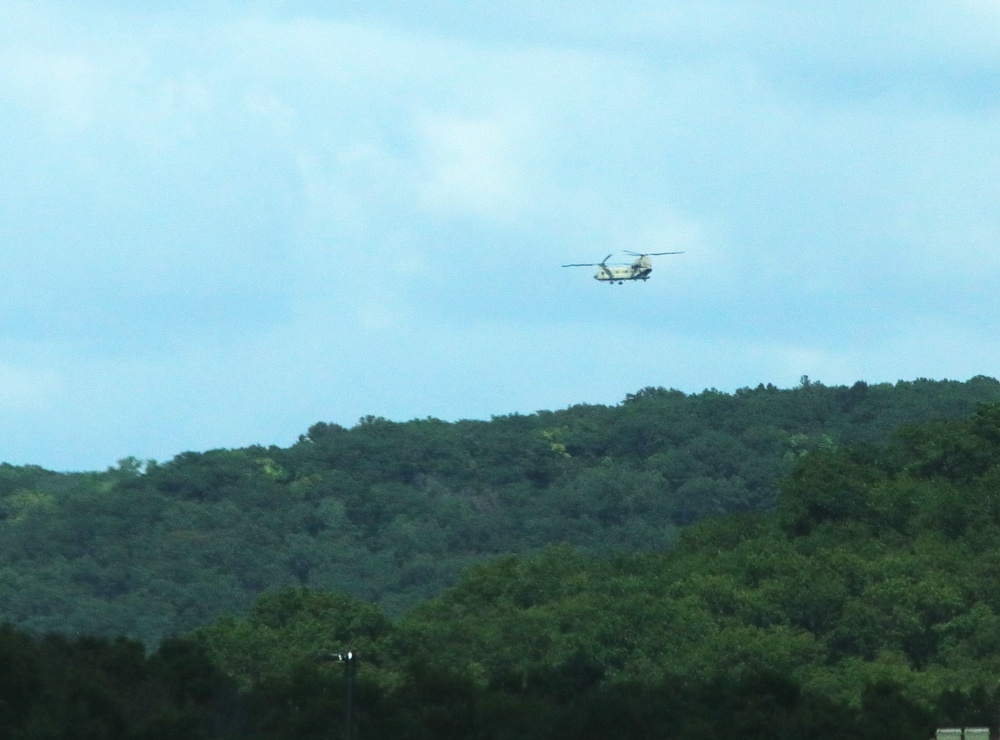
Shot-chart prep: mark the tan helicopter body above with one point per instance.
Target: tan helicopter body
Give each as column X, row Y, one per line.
column 638, row 270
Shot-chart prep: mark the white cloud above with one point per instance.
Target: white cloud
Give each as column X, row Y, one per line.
column 60, row 86
column 475, row 166
column 27, row 389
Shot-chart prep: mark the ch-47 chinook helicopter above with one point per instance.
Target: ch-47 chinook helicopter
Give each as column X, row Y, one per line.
column 638, row 270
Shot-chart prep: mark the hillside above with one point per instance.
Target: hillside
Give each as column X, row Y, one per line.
column 391, row 512
column 864, row 605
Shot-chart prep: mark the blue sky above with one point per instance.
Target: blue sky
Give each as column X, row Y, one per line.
column 224, row 222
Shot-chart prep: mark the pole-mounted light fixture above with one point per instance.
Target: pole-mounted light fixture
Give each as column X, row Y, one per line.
column 350, row 661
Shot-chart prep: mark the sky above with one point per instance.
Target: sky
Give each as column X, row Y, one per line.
column 223, row 222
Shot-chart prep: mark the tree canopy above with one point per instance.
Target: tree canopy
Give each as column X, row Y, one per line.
column 390, row 513
column 861, row 603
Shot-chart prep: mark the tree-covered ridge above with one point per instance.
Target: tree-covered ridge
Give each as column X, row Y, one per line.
column 864, row 605
column 391, row 512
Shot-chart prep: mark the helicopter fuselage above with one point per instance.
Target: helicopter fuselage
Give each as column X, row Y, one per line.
column 638, row 270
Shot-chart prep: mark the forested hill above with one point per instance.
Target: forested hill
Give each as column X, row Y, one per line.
column 864, row 607
column 391, row 512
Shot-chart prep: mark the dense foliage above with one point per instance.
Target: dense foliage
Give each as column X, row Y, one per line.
column 863, row 606
column 392, row 512
column 90, row 689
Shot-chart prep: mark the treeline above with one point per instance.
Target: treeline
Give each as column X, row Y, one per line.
column 391, row 512
column 91, row 689
column 85, row 688
column 864, row 605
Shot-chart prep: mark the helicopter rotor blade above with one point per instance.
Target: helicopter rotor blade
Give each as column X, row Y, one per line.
column 590, row 264
column 650, row 254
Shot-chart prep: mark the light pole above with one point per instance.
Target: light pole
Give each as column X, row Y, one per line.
column 350, row 661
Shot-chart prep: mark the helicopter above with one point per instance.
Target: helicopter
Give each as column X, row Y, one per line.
column 638, row 270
